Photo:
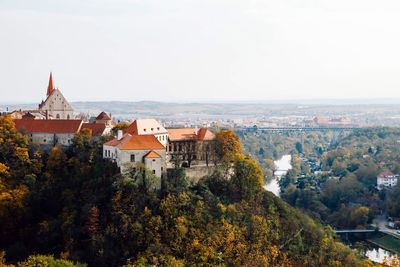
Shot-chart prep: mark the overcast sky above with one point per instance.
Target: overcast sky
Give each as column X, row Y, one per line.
column 184, row 50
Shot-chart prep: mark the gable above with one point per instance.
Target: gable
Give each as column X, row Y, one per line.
column 146, row 127
column 56, row 101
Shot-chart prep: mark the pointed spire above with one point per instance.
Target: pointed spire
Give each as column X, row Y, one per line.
column 50, row 88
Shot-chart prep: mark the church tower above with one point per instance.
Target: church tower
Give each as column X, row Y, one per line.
column 56, row 105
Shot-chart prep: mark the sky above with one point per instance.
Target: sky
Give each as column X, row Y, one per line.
column 208, row 50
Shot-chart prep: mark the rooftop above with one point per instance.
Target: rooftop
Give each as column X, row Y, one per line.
column 48, row 126
column 152, row 154
column 386, row 174
column 103, row 116
column 183, row 134
column 146, row 127
column 136, row 142
column 96, row 128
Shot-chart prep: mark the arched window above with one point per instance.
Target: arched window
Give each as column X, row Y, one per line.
column 68, row 117
column 57, row 116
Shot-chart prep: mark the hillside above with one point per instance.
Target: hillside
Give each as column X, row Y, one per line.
column 74, row 205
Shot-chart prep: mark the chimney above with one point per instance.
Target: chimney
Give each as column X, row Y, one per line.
column 119, row 135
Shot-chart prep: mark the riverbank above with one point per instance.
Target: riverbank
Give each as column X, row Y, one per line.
column 387, row 242
column 281, row 167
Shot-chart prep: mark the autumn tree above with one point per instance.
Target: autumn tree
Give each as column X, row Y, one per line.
column 227, row 145
column 247, row 178
column 120, row 126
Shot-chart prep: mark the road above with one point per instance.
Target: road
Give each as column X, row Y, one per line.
column 381, row 222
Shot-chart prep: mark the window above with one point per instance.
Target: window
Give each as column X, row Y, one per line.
column 158, row 128
column 154, row 160
column 152, row 129
column 44, row 140
column 57, row 116
column 68, row 117
column 132, row 157
column 144, row 129
column 154, row 171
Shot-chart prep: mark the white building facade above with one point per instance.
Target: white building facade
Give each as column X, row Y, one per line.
column 131, row 150
column 386, row 179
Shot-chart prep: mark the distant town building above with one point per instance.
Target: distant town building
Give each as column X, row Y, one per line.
column 341, row 121
column 386, row 179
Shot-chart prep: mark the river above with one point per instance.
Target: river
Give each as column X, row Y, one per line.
column 282, row 165
column 372, row 252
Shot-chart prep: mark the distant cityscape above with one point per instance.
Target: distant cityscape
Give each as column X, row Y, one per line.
column 237, row 115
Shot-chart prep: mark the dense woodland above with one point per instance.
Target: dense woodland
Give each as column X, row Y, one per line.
column 60, row 207
column 343, row 191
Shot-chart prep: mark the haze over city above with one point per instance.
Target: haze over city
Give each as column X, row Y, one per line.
column 200, row 50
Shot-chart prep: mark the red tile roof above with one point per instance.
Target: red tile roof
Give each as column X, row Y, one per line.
column 385, row 174
column 184, row 134
column 145, row 127
column 205, row 135
column 136, row 142
column 50, row 88
column 103, row 116
column 152, row 154
column 48, row 126
column 96, row 128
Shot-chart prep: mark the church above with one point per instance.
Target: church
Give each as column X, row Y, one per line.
column 55, row 106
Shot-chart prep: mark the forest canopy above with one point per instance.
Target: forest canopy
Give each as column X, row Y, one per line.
column 77, row 207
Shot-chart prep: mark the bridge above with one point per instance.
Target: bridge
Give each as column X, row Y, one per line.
column 346, row 231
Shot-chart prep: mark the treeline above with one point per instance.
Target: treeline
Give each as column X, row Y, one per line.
column 76, row 206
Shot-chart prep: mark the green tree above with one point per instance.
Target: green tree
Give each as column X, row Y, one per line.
column 247, row 178
column 299, row 147
column 120, row 126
